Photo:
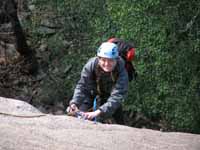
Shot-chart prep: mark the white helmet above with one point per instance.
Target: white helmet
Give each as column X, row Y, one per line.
column 108, row 50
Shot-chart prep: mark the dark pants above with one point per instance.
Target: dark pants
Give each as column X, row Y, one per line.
column 117, row 116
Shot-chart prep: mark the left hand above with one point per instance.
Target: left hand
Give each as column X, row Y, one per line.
column 91, row 115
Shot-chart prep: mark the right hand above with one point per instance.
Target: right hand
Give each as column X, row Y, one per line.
column 72, row 109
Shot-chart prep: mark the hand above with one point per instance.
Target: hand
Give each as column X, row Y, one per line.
column 72, row 109
column 91, row 115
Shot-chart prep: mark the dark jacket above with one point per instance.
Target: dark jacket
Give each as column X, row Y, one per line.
column 87, row 86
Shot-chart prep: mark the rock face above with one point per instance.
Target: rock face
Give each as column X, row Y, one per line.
column 23, row 127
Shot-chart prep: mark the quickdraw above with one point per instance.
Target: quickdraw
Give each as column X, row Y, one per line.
column 80, row 114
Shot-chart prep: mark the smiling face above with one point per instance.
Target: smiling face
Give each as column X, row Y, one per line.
column 107, row 64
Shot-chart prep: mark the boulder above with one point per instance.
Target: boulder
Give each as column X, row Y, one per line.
column 23, row 127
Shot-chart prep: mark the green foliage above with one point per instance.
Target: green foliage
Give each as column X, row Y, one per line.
column 166, row 35
column 167, row 59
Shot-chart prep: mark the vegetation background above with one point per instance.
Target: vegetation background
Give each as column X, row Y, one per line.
column 65, row 33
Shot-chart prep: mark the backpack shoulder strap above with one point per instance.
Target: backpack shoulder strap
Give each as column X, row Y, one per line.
column 95, row 68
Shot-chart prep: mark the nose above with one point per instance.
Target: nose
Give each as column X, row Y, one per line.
column 106, row 62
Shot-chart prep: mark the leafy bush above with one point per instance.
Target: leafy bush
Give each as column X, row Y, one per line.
column 166, row 35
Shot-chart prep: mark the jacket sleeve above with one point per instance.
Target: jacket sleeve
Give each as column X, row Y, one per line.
column 118, row 93
column 85, row 85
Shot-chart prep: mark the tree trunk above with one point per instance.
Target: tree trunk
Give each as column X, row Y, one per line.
column 9, row 8
column 11, row 12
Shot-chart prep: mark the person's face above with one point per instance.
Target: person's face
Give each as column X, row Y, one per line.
column 107, row 64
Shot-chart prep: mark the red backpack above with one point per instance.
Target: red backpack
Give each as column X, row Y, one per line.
column 127, row 52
